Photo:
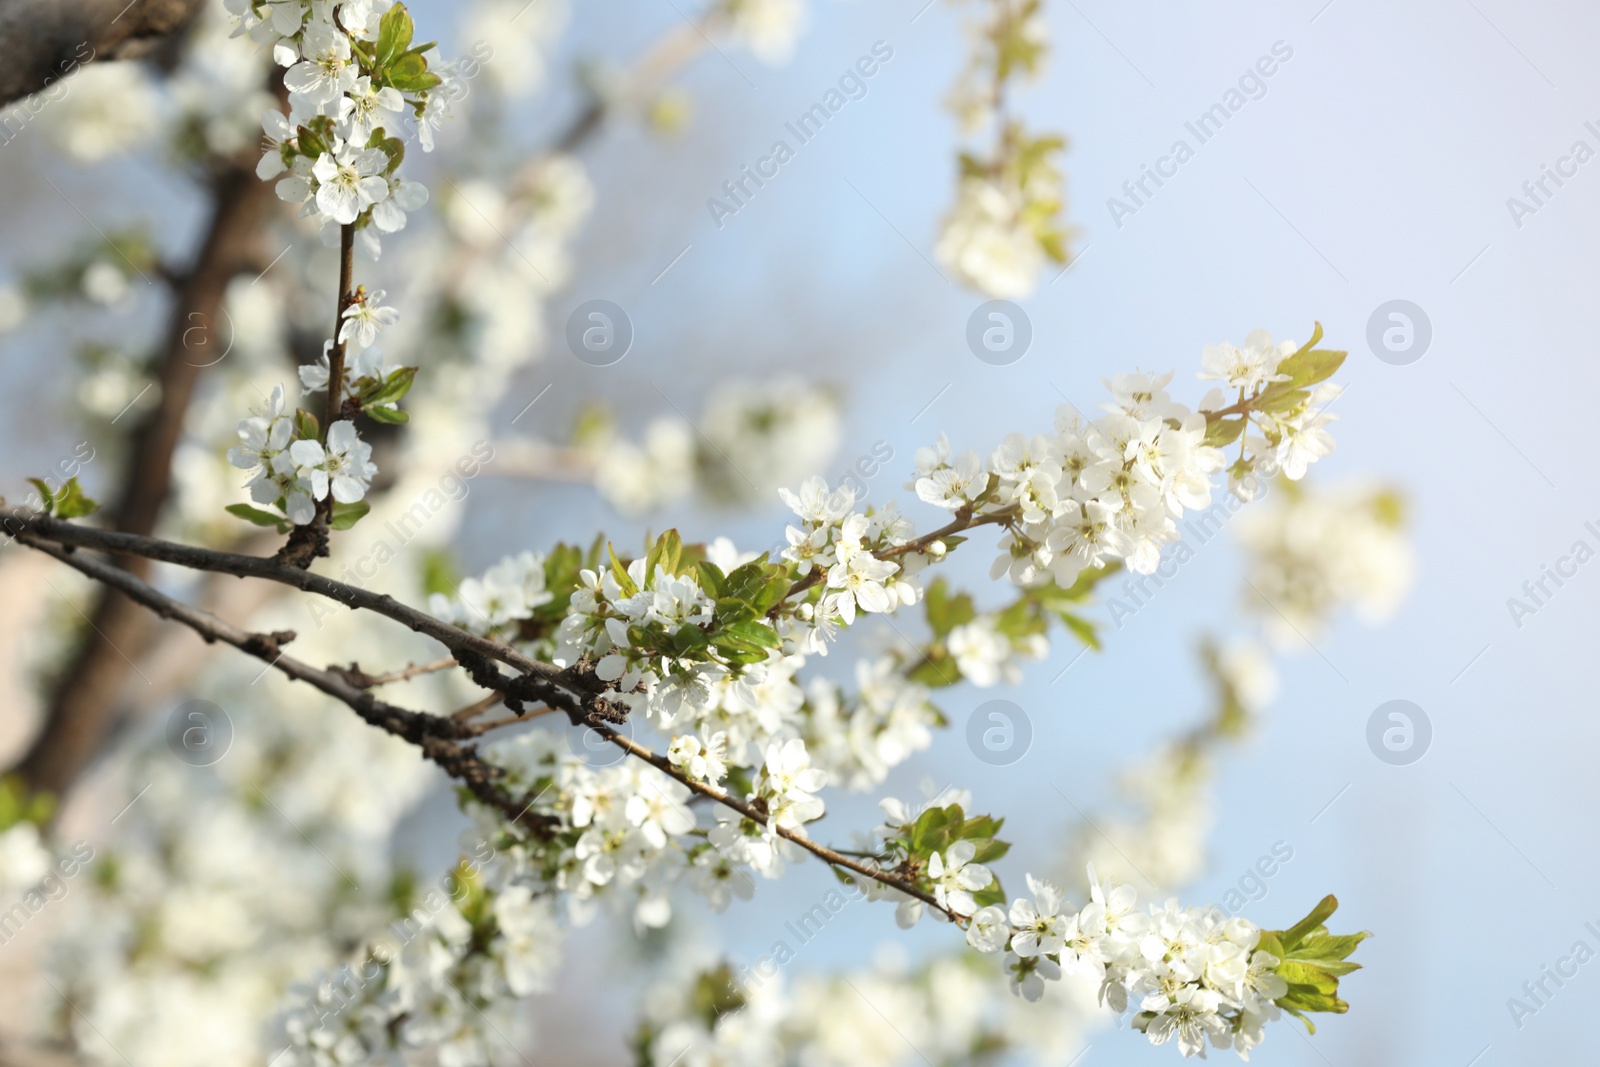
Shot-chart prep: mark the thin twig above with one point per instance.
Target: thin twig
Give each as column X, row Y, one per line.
column 357, row 676
column 477, row 707
column 347, row 296
column 964, row 520
column 438, row 736
column 560, row 686
column 828, row 855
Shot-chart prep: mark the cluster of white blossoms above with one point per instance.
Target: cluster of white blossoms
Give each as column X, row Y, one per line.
column 850, row 552
column 106, row 109
column 354, row 81
column 717, row 717
column 1113, row 488
column 353, row 77
column 509, row 592
column 1290, row 432
column 1309, row 554
column 986, row 656
column 291, row 469
column 1004, row 225
column 1002, row 229
column 859, row 739
column 623, row 831
column 1196, row 977
column 610, row 610
column 221, row 888
column 24, row 860
column 769, row 28
column 750, row 438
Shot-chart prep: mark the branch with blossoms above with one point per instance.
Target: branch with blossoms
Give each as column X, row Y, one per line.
column 353, row 74
column 1162, row 844
column 1006, row 221
column 704, row 645
column 682, row 638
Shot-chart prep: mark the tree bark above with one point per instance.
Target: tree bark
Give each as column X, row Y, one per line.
column 43, row 41
column 88, row 697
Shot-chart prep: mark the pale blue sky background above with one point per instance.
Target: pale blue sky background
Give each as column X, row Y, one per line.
column 1376, row 167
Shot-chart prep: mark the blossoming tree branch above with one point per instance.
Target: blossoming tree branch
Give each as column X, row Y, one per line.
column 690, row 660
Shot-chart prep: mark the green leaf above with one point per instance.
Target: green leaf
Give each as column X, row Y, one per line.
column 737, row 650
column 1315, row 918
column 1081, row 628
column 67, row 502
column 1312, row 961
column 306, row 426
column 687, row 639
column 440, row 573
column 47, row 499
column 935, row 671
column 1316, row 335
column 773, row 592
column 1282, row 396
column 1312, row 367
column 752, row 589
column 711, row 578
column 756, row 633
column 1224, row 432
column 667, row 552
column 1304, row 974
column 1305, row 998
column 17, row 805
column 394, row 34
column 391, row 416
column 620, row 573
column 991, row 850
column 393, row 147
column 929, row 827
column 395, row 386
column 310, row 142
column 347, row 515
column 410, row 74
column 259, row 517
column 990, row 894
column 944, row 611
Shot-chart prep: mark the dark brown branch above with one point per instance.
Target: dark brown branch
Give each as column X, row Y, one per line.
column 347, row 296
column 578, row 694
column 43, row 41
column 310, row 541
column 438, row 736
